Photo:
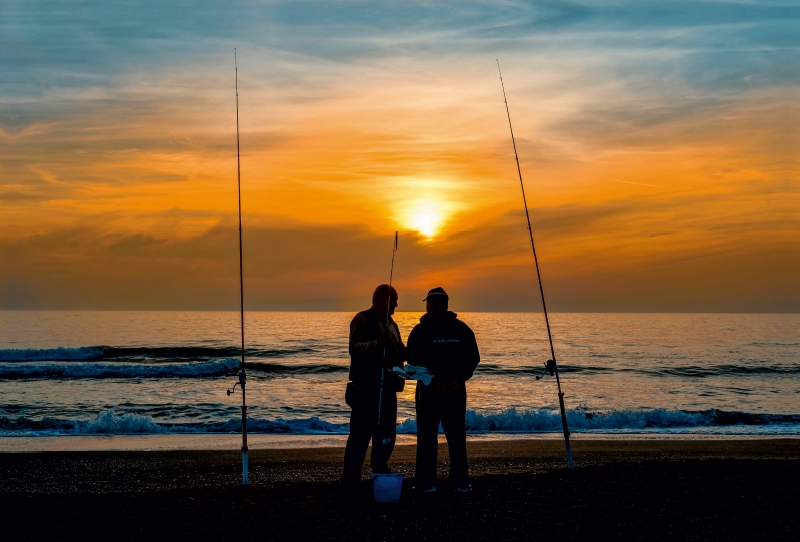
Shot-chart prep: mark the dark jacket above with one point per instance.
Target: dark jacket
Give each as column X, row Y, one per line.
column 366, row 357
column 445, row 345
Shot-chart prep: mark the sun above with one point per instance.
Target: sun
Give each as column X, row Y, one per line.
column 426, row 216
column 427, row 206
column 426, row 221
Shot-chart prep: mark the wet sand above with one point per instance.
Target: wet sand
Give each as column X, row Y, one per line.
column 634, row 490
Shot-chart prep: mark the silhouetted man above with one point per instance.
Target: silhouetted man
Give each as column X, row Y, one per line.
column 446, row 346
column 373, row 348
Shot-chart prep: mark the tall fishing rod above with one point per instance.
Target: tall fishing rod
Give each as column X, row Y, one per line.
column 550, row 366
column 242, row 374
column 388, row 307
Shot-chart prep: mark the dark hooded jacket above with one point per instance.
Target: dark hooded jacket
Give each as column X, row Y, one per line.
column 367, row 358
column 445, row 345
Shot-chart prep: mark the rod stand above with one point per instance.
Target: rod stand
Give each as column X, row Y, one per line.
column 245, row 477
column 566, row 429
column 245, row 474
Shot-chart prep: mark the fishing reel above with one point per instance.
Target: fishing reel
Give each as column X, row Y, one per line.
column 240, row 383
column 549, row 367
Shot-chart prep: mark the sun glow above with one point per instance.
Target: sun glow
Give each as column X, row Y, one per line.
column 426, row 216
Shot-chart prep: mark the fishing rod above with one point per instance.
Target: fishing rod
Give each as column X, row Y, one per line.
column 388, row 307
column 550, row 366
column 242, row 374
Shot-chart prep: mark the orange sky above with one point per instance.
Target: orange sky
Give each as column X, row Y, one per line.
column 659, row 165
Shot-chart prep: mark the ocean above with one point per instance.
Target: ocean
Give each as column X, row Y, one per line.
column 89, row 373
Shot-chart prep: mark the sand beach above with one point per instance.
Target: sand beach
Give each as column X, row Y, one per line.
column 620, row 489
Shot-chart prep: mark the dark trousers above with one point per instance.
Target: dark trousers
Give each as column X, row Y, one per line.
column 363, row 428
column 449, row 408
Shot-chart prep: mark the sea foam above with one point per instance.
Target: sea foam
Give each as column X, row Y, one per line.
column 506, row 421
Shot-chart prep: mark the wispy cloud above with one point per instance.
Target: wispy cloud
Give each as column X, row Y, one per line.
column 118, row 150
column 632, row 182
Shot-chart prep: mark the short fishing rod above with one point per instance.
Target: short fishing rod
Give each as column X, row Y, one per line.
column 550, row 366
column 242, row 374
column 388, row 307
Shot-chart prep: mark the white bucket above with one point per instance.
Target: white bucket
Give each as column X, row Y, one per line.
column 386, row 487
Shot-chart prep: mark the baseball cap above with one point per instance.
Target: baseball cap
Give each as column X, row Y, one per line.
column 436, row 292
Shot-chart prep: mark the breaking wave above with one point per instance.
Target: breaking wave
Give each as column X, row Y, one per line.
column 506, row 421
column 117, row 370
column 628, row 419
column 197, row 369
column 691, row 371
column 109, row 423
column 585, row 421
column 54, row 354
column 259, row 359
column 165, row 353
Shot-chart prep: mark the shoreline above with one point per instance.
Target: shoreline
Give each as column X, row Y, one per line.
column 229, row 441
